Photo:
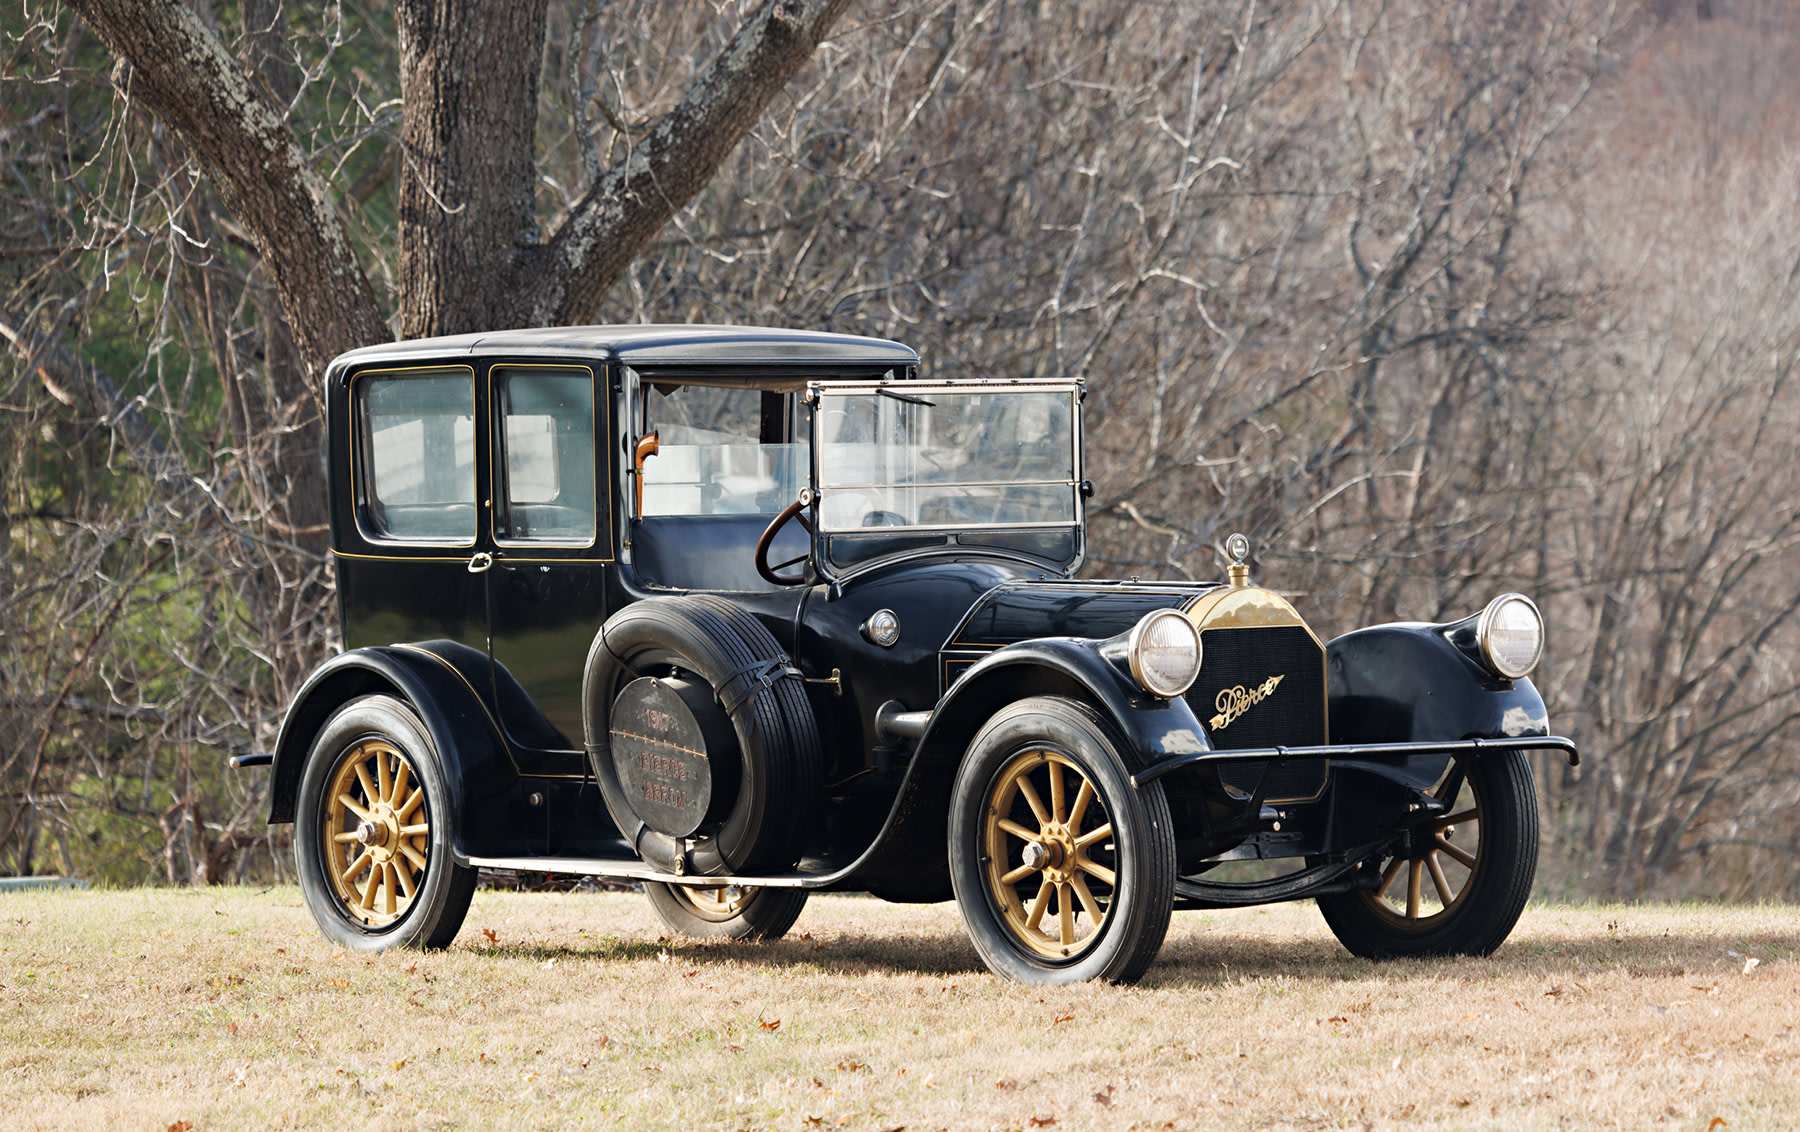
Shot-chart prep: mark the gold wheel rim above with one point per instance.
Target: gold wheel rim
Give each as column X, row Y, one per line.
column 1418, row 891
column 716, row 904
column 1043, row 827
column 376, row 834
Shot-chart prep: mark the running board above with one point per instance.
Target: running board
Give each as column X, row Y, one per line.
column 617, row 868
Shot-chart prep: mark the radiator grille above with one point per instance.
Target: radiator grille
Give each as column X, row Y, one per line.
column 1264, row 686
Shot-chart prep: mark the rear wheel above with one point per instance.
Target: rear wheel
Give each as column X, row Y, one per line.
column 1459, row 882
column 372, row 836
column 728, row 912
column 1063, row 871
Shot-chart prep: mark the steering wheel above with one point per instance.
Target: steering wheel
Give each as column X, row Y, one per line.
column 792, row 511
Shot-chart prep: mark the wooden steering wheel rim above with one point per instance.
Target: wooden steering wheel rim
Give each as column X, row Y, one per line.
column 768, row 538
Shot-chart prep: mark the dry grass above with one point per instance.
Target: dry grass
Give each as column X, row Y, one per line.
column 225, row 1009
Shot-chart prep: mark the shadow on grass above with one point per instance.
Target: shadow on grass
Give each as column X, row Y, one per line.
column 1211, row 960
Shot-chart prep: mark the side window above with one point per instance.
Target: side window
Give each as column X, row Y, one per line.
column 724, row 451
column 417, row 430
column 547, row 434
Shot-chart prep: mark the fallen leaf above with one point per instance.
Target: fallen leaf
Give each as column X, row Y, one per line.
column 1104, row 1098
column 340, row 982
column 1041, row 1121
column 1717, row 1122
column 1061, row 1018
column 1006, row 1084
column 812, row 1121
column 493, row 937
column 849, row 1066
column 775, row 1025
column 185, row 1126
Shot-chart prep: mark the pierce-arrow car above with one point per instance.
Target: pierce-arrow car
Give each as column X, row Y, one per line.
column 743, row 614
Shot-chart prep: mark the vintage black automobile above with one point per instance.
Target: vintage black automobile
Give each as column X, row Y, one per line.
column 743, row 614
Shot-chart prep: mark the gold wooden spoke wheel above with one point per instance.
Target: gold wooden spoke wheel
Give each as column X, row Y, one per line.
column 715, row 903
column 1418, row 890
column 1043, row 823
column 376, row 833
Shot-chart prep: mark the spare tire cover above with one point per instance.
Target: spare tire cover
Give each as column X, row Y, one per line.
column 763, row 794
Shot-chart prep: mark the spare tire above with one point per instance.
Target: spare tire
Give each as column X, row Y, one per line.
column 750, row 748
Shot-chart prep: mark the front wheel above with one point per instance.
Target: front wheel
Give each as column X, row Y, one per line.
column 1459, row 882
column 729, row 912
column 1063, row 871
column 372, row 832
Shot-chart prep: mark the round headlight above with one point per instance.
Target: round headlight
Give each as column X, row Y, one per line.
column 1165, row 653
column 1511, row 634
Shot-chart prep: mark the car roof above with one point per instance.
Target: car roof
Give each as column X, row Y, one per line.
column 652, row 345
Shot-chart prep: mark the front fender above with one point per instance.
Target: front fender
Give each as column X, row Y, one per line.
column 439, row 681
column 1065, row 666
column 1407, row 682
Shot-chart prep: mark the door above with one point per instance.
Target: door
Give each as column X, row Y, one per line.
column 547, row 585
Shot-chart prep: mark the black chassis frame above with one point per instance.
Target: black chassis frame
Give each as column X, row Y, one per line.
column 1403, row 698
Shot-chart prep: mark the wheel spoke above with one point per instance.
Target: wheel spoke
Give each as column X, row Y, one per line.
column 390, row 890
column 362, row 776
column 407, row 887
column 1088, row 903
column 1098, row 872
column 1462, row 855
column 1017, row 830
column 401, row 770
column 344, row 838
column 1036, row 916
column 1079, row 810
column 368, row 896
column 1437, row 879
column 351, row 804
column 1030, row 794
column 1065, row 913
column 384, row 774
column 1468, row 815
column 414, row 830
column 413, row 855
column 1387, row 878
column 412, row 804
column 1056, row 790
column 1453, row 783
column 1093, row 836
column 356, row 867
column 1413, row 877
column 1017, row 875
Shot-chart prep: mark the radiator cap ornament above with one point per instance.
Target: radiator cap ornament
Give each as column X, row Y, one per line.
column 1238, row 548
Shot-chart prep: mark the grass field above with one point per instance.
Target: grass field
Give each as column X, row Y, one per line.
column 225, row 1009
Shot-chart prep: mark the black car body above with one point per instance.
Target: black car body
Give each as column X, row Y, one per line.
column 746, row 613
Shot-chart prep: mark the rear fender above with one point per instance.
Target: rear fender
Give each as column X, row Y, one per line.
column 440, row 680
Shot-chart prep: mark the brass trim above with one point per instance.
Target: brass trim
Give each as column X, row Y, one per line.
column 1252, row 607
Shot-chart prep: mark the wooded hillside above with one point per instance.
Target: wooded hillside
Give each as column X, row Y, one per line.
column 1434, row 300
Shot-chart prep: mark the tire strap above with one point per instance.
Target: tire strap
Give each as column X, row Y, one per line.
column 757, row 673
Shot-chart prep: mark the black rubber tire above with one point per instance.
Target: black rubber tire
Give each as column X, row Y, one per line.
column 1141, row 897
column 1489, row 902
column 769, row 822
column 748, row 914
column 435, row 912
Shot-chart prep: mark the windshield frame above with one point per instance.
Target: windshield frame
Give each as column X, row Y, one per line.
column 1060, row 545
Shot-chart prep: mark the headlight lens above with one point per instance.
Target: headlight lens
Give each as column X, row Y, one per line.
column 1511, row 633
column 1165, row 653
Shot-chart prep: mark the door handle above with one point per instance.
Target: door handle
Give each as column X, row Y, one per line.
column 481, row 563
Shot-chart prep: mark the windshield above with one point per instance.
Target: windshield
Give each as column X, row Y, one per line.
column 928, row 457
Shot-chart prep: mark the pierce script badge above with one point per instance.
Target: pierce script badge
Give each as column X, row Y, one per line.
column 1235, row 701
